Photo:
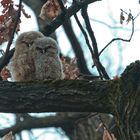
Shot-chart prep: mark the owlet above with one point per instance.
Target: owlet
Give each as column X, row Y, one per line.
column 45, row 55
column 35, row 58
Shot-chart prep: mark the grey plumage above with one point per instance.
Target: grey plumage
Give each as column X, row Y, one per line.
column 46, row 59
column 35, row 58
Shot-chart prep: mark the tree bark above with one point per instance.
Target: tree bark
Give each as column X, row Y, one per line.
column 61, row 95
column 71, row 95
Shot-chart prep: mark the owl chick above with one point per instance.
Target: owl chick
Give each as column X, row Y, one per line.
column 46, row 59
column 21, row 65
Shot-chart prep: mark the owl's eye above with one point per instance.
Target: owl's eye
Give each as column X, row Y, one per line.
column 48, row 47
column 43, row 50
column 27, row 43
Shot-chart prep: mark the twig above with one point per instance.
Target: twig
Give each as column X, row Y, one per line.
column 87, row 40
column 1, row 51
column 62, row 6
column 136, row 16
column 90, row 31
column 98, row 64
column 105, row 127
column 12, row 36
column 90, row 115
column 50, row 28
column 121, row 39
column 81, row 63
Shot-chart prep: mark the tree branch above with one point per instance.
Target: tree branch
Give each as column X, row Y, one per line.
column 121, row 39
column 77, row 48
column 50, row 28
column 44, row 122
column 70, row 95
column 56, row 96
column 6, row 54
column 95, row 55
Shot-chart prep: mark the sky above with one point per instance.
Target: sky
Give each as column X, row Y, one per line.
column 102, row 14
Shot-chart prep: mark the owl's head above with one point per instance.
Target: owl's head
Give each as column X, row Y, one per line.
column 28, row 37
column 45, row 45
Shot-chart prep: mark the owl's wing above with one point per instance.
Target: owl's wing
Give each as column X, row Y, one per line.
column 22, row 68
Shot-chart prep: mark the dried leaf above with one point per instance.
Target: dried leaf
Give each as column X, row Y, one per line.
column 50, row 10
column 71, row 70
column 7, row 19
column 5, row 74
column 129, row 18
column 122, row 18
column 116, row 78
column 108, row 136
column 24, row 12
column 8, row 136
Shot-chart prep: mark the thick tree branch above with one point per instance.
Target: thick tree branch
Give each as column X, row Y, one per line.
column 72, row 95
column 44, row 122
column 51, row 121
column 62, row 95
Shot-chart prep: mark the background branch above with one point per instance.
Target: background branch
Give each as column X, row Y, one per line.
column 76, row 47
column 94, row 52
column 121, row 39
column 50, row 28
column 6, row 54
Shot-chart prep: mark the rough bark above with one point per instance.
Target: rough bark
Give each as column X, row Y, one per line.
column 72, row 95
column 61, row 95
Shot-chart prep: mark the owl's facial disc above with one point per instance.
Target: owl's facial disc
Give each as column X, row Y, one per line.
column 43, row 50
column 28, row 44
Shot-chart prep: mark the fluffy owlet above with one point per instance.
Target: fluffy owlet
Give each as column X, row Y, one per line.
column 21, row 65
column 35, row 58
column 46, row 59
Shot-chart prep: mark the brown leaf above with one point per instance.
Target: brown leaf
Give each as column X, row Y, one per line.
column 71, row 70
column 108, row 136
column 129, row 18
column 5, row 74
column 8, row 136
column 122, row 18
column 50, row 10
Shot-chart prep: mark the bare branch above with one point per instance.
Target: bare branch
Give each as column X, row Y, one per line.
column 4, row 61
column 76, row 47
column 121, row 39
column 99, row 66
column 50, row 28
column 62, row 6
column 90, row 31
